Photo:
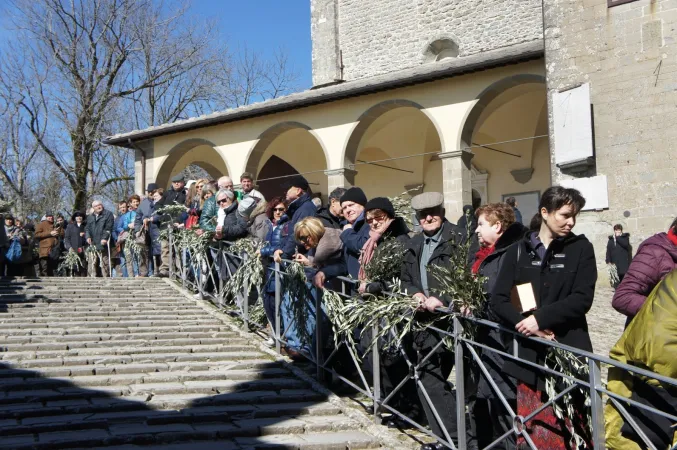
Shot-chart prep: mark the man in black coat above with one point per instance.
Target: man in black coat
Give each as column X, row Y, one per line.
column 434, row 247
column 618, row 251
column 332, row 215
column 98, row 232
column 174, row 196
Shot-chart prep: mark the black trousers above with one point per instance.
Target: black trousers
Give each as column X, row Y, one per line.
column 47, row 267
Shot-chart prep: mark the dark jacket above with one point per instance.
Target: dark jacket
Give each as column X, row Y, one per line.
column 209, row 214
column 146, row 210
column 73, row 239
column 655, row 258
column 100, row 227
column 353, row 240
column 274, row 242
column 518, row 215
column 299, row 209
column 234, row 226
column 450, row 239
column 564, row 288
column 618, row 252
column 170, row 197
column 259, row 223
column 328, row 219
column 489, row 268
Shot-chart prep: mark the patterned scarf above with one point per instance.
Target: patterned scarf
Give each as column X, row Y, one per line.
column 367, row 254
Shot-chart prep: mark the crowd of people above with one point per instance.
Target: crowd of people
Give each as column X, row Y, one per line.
column 539, row 280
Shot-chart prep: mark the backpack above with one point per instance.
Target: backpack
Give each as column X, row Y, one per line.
column 13, row 253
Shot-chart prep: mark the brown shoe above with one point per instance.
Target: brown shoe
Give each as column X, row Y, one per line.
column 293, row 354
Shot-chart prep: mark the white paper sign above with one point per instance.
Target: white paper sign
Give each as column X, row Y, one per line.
column 594, row 189
column 573, row 124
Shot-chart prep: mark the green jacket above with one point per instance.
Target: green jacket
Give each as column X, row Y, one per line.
column 209, row 214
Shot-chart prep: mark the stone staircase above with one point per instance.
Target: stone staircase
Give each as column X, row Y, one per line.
column 133, row 363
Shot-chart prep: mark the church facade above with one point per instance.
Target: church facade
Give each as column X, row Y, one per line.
column 467, row 98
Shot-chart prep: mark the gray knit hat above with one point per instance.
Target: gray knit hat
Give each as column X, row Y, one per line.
column 246, row 206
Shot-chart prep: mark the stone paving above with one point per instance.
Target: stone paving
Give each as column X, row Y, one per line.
column 129, row 363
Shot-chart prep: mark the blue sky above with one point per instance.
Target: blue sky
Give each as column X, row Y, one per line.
column 265, row 25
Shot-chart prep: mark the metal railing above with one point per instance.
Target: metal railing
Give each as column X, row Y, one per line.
column 465, row 349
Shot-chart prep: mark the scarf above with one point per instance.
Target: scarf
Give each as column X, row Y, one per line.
column 672, row 236
column 367, row 254
column 480, row 256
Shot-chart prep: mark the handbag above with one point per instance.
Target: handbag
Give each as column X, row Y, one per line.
column 141, row 236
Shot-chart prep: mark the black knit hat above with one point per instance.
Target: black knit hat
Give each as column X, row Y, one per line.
column 355, row 195
column 297, row 181
column 381, row 203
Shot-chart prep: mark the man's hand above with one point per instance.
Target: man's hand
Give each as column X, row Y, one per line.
column 319, row 279
column 89, row 241
column 431, row 303
column 219, row 229
column 104, row 242
column 53, row 233
column 421, row 300
column 131, row 226
column 277, row 256
column 178, row 225
column 199, row 231
column 528, row 326
column 146, row 221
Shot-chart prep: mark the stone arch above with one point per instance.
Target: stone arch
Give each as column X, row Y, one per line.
column 192, row 151
column 487, row 97
column 267, row 137
column 367, row 119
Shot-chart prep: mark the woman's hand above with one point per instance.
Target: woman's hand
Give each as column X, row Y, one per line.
column 528, row 326
column 302, row 259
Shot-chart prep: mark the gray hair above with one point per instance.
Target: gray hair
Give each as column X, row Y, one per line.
column 336, row 194
column 96, row 202
column 227, row 192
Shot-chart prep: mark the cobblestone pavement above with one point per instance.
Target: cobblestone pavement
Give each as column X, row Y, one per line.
column 129, row 363
column 604, row 323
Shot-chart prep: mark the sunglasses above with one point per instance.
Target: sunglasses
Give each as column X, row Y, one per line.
column 422, row 214
column 375, row 218
column 223, row 200
column 304, row 239
column 279, row 209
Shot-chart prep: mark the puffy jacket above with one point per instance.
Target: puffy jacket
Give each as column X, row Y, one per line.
column 328, row 219
column 353, row 240
column 209, row 214
column 99, row 228
column 618, row 252
column 274, row 237
column 655, row 257
column 259, row 223
column 234, row 226
column 299, row 209
column 47, row 241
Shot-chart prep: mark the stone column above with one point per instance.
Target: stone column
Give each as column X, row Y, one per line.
column 456, row 181
column 344, row 178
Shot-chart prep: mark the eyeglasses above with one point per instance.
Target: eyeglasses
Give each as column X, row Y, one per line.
column 279, row 209
column 378, row 218
column 223, row 200
column 304, row 239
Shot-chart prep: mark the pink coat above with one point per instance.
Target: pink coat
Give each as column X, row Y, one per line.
column 655, row 258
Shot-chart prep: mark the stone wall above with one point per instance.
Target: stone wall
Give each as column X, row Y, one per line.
column 627, row 54
column 380, row 36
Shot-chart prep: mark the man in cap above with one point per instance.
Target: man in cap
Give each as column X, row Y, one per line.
column 300, row 206
column 353, row 236
column 48, row 235
column 435, row 246
column 174, row 196
column 247, row 185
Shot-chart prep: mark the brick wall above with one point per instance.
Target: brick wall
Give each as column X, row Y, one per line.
column 379, row 36
column 627, row 54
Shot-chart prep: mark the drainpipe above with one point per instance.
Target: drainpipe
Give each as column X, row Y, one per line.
column 143, row 163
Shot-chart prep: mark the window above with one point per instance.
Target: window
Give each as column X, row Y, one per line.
column 439, row 50
column 611, row 3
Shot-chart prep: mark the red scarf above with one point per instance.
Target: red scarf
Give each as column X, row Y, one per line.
column 672, row 236
column 368, row 250
column 480, row 256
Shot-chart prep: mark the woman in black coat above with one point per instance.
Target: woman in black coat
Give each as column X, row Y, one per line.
column 556, row 270
column 75, row 239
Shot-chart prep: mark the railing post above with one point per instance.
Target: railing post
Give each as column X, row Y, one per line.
column 596, row 405
column 376, row 370
column 460, row 384
column 217, row 265
column 170, row 245
column 245, row 300
column 184, row 275
column 278, row 295
column 319, row 357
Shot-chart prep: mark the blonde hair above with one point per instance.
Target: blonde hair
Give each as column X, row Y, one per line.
column 309, row 226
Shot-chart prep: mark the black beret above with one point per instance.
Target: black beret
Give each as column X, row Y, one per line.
column 355, row 195
column 381, row 203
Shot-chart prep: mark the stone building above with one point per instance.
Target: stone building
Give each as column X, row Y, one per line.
column 460, row 97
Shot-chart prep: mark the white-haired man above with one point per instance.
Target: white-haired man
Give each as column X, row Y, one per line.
column 98, row 232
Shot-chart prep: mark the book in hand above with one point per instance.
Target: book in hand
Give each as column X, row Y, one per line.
column 522, row 298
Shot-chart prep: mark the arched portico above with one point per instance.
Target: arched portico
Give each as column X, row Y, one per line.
column 200, row 152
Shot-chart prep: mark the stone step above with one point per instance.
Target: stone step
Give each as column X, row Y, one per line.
column 202, row 328
column 85, row 311
column 94, row 338
column 95, row 316
column 70, row 345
